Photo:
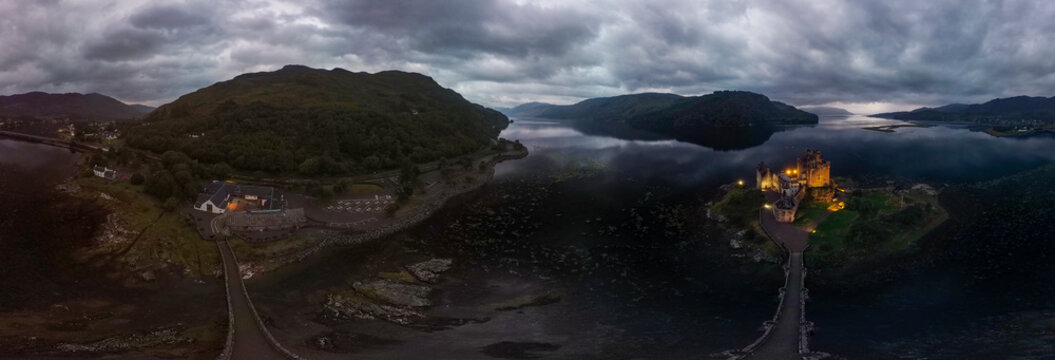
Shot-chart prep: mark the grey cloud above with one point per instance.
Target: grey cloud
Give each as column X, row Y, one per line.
column 502, row 52
column 125, row 44
column 168, row 17
column 488, row 26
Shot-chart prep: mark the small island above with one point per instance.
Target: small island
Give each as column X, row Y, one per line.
column 846, row 224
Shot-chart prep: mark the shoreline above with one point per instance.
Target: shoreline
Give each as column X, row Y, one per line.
column 418, row 215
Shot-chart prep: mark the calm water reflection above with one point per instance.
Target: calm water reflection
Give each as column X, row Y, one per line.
column 858, row 325
column 595, row 218
column 940, row 154
column 632, row 286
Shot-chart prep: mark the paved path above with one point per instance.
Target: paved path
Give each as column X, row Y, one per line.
column 785, row 339
column 249, row 340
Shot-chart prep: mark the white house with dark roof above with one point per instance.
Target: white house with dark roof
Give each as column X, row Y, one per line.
column 219, row 197
column 104, row 172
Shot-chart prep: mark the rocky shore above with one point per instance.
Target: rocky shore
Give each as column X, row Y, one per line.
column 159, row 336
column 416, row 216
column 380, row 298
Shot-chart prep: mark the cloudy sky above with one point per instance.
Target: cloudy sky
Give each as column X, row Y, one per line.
column 863, row 55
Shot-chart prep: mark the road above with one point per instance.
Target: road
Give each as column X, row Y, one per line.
column 783, row 342
column 250, row 341
column 783, row 339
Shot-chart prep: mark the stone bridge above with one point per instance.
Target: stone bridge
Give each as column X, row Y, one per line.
column 247, row 336
column 786, row 335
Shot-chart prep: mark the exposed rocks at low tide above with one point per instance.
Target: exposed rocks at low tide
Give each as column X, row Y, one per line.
column 159, row 336
column 428, row 271
column 386, row 299
column 343, row 307
column 394, row 293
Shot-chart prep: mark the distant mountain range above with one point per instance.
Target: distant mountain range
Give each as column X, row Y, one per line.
column 1008, row 109
column 72, row 105
column 669, row 113
column 723, row 120
column 826, row 111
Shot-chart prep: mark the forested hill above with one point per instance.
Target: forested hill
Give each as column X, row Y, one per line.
column 316, row 121
column 1012, row 108
column 674, row 113
column 613, row 109
column 826, row 111
column 73, row 106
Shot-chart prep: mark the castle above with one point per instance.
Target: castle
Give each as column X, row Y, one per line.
column 810, row 171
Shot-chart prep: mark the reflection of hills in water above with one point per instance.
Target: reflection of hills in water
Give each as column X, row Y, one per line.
column 717, row 138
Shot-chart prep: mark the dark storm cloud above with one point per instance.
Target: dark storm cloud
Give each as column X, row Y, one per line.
column 486, row 26
column 167, row 17
column 125, row 44
column 501, row 52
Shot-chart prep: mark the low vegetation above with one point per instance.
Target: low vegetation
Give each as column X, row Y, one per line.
column 741, row 205
column 143, row 237
column 875, row 222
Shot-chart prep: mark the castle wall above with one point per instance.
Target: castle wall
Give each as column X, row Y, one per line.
column 784, row 215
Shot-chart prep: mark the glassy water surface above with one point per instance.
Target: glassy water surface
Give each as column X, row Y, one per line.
column 614, row 226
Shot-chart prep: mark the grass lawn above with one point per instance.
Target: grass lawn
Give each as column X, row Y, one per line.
column 906, row 238
column 364, row 189
column 413, row 203
column 875, row 223
column 740, row 204
column 827, row 242
column 155, row 237
column 263, row 251
column 805, row 215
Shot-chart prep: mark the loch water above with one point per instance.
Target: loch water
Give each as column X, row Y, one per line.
column 614, row 224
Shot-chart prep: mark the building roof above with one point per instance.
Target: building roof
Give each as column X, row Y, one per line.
column 98, row 168
column 216, row 192
column 219, row 191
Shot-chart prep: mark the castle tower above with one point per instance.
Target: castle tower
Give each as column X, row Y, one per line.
column 764, row 177
column 813, row 170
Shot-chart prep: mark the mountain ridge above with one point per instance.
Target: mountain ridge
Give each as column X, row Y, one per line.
column 75, row 106
column 671, row 112
column 1011, row 108
column 300, row 119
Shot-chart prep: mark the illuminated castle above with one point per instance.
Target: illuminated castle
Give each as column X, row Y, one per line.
column 811, row 171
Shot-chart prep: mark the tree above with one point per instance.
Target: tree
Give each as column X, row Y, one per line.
column 137, row 179
column 171, row 204
column 309, row 166
column 220, row 170
column 408, row 179
column 160, row 184
column 391, row 209
column 371, row 162
column 340, row 187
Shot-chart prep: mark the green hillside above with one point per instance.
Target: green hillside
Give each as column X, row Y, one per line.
column 1018, row 108
column 670, row 113
column 613, row 109
column 721, row 109
column 317, row 121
